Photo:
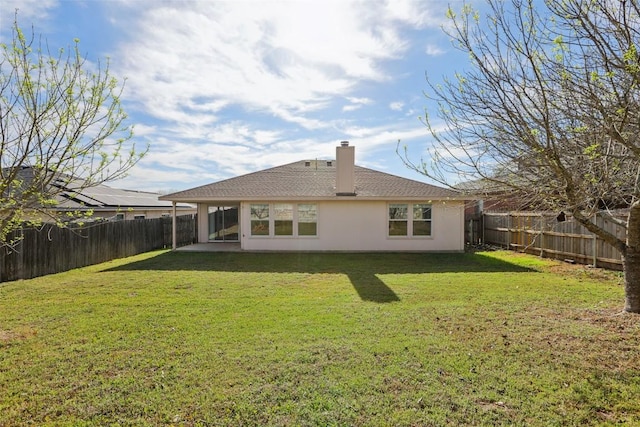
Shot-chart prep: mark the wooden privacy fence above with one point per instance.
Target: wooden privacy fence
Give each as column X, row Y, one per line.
column 51, row 249
column 543, row 234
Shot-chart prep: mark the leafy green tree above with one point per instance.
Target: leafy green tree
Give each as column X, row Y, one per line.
column 548, row 111
column 62, row 126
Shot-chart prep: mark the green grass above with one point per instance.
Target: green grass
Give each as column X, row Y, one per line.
column 245, row 339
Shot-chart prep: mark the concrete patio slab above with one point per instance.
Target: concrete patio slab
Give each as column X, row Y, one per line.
column 211, row 247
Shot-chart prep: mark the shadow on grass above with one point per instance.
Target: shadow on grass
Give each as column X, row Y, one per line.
column 361, row 268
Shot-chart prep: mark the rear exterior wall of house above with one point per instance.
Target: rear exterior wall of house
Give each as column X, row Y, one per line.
column 345, row 225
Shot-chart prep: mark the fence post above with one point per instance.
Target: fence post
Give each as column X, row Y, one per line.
column 595, row 242
column 509, row 232
column 542, row 222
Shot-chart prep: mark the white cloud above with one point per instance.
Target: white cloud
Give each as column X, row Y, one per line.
column 356, row 103
column 397, row 105
column 351, row 107
column 383, row 137
column 418, row 13
column 286, row 58
column 361, row 101
column 178, row 165
column 433, row 50
column 224, row 88
column 28, row 10
column 236, row 148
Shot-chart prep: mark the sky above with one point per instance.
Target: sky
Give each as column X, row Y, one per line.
column 217, row 89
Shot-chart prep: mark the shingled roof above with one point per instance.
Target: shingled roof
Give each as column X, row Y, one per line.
column 75, row 194
column 311, row 179
column 104, row 197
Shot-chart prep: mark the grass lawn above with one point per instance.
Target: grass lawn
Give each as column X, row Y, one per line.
column 239, row 339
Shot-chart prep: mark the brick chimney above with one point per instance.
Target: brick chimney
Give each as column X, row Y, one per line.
column 345, row 165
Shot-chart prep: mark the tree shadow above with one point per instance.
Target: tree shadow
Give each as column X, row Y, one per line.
column 363, row 269
column 371, row 288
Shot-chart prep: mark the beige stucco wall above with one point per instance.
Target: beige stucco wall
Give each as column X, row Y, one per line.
column 357, row 226
column 203, row 223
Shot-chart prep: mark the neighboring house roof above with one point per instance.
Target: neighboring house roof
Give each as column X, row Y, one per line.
column 311, row 179
column 104, row 197
column 480, row 187
column 70, row 195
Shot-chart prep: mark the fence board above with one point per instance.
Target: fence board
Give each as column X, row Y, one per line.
column 543, row 234
column 51, row 249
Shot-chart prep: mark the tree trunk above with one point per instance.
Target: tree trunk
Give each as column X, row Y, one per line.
column 631, row 261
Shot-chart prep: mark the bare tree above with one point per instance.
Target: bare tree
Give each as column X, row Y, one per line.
column 548, row 111
column 62, row 126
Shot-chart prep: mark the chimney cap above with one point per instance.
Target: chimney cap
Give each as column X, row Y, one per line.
column 344, row 143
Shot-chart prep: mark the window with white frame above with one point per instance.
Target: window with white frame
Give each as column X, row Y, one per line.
column 284, row 219
column 307, row 219
column 409, row 219
column 259, row 219
column 398, row 219
column 421, row 220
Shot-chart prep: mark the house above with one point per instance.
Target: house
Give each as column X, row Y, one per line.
column 71, row 199
column 119, row 204
column 327, row 205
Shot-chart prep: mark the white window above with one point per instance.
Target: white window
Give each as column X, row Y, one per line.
column 307, row 220
column 421, row 220
column 400, row 224
column 284, row 219
column 398, row 219
column 259, row 219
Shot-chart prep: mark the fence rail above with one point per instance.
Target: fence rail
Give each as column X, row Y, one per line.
column 51, row 249
column 543, row 234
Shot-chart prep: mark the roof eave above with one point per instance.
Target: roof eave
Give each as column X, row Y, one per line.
column 202, row 199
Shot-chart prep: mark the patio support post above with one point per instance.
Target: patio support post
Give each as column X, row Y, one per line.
column 174, row 231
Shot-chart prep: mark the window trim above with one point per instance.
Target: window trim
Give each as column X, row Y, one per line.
column 297, row 221
column 288, row 208
column 409, row 220
column 268, row 221
column 295, row 234
column 404, row 219
column 423, row 220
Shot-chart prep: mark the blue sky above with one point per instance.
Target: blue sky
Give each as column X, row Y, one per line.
column 222, row 88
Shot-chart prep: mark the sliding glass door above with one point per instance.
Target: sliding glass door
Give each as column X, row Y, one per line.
column 223, row 223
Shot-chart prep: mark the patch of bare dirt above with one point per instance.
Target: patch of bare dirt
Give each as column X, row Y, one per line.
column 585, row 271
column 8, row 337
column 614, row 341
